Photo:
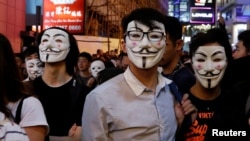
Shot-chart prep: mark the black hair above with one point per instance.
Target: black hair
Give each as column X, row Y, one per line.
column 121, row 55
column 11, row 85
column 174, row 27
column 108, row 73
column 31, row 49
column 213, row 35
column 145, row 16
column 98, row 51
column 244, row 36
column 109, row 64
column 86, row 55
column 19, row 55
column 72, row 57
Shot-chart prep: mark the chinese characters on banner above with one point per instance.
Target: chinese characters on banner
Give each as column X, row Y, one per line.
column 67, row 14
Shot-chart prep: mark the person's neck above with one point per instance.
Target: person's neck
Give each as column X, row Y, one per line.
column 84, row 73
column 55, row 74
column 148, row 77
column 204, row 93
column 169, row 68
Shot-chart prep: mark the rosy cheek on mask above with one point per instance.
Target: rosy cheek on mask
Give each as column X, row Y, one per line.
column 199, row 66
column 159, row 43
column 218, row 67
column 134, row 44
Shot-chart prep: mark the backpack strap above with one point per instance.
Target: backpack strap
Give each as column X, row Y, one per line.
column 17, row 118
column 78, row 92
column 174, row 89
column 178, row 96
column 75, row 90
column 78, row 88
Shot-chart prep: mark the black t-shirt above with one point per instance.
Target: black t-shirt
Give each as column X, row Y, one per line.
column 85, row 81
column 215, row 115
column 210, row 115
column 60, row 109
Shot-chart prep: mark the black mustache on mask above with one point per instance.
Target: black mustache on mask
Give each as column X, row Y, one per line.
column 146, row 49
column 209, row 74
column 56, row 50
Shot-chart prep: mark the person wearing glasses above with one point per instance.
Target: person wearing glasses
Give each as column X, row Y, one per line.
column 137, row 104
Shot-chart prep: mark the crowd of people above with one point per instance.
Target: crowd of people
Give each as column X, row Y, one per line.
column 146, row 92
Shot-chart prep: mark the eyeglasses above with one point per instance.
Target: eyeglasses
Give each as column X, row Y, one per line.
column 153, row 36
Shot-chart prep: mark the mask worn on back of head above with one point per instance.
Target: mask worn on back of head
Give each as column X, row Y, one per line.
column 96, row 67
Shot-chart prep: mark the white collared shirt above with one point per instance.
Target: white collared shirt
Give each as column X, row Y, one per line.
column 122, row 108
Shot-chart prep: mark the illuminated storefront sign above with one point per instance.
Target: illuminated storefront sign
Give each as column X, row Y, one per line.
column 202, row 3
column 242, row 11
column 67, row 14
column 202, row 15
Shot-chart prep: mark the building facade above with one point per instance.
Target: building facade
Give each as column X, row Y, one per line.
column 12, row 21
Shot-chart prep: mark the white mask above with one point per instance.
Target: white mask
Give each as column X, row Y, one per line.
column 34, row 68
column 209, row 64
column 54, row 46
column 145, row 53
column 96, row 67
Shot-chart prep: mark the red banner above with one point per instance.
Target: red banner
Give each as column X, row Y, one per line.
column 67, row 14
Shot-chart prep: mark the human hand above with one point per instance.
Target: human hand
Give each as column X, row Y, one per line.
column 90, row 82
column 75, row 133
column 185, row 108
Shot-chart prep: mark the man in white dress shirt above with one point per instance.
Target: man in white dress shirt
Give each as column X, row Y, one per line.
column 136, row 105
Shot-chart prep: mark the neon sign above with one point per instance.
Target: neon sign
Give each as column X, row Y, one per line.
column 202, row 15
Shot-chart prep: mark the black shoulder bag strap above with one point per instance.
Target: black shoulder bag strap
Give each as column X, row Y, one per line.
column 173, row 88
column 77, row 88
column 19, row 110
column 177, row 94
column 75, row 91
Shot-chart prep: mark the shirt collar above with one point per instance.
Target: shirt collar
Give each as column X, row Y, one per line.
column 137, row 87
